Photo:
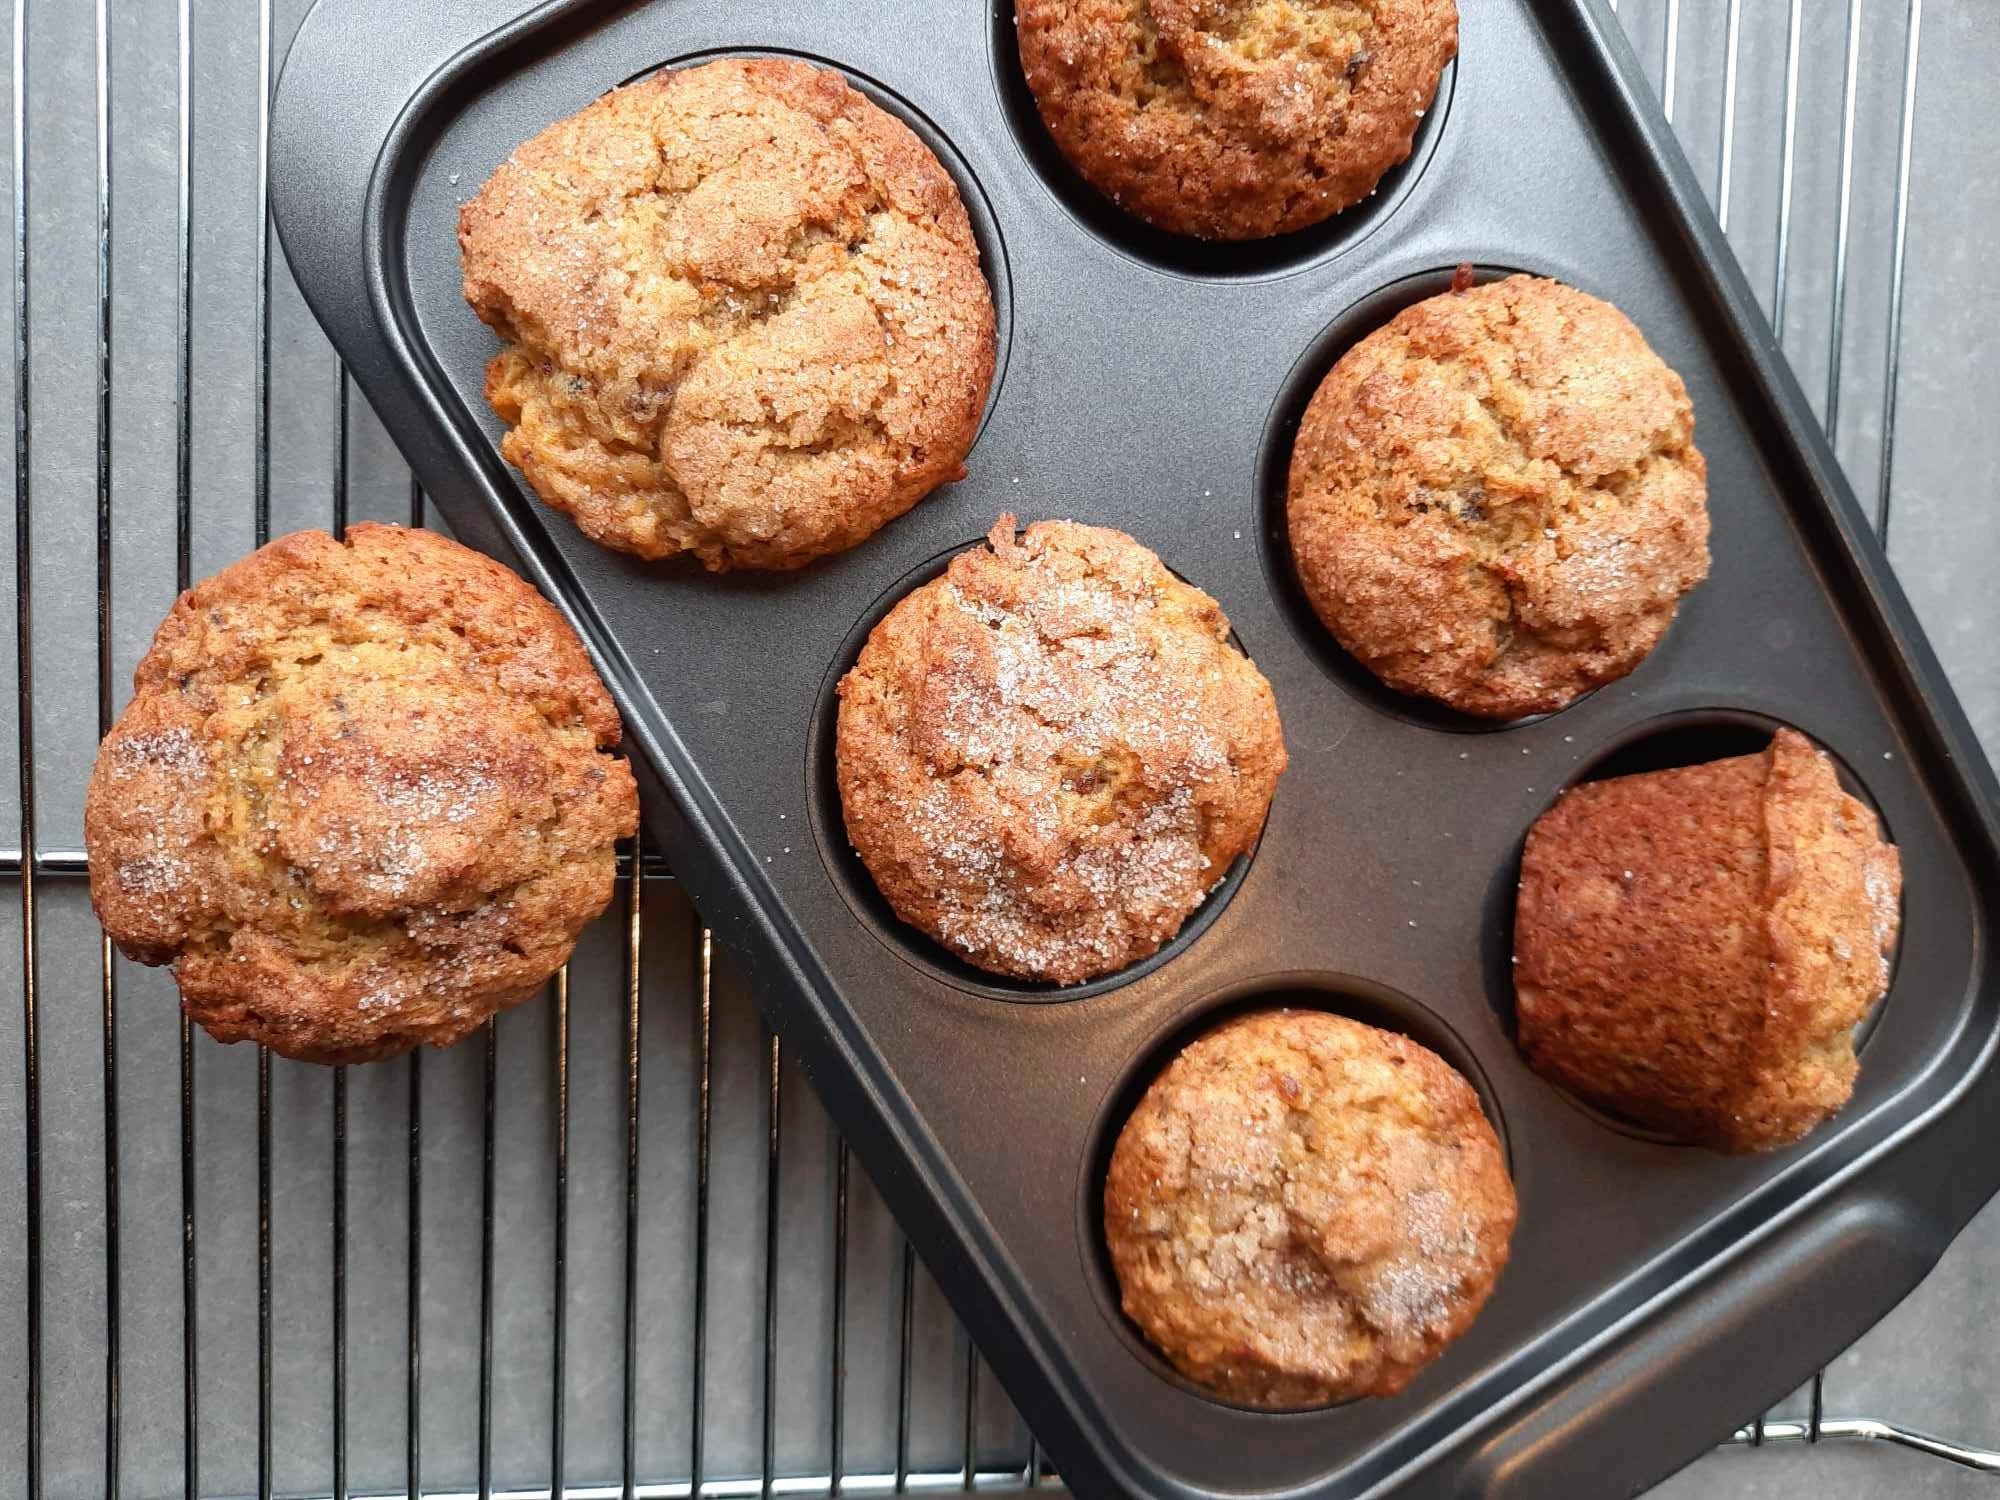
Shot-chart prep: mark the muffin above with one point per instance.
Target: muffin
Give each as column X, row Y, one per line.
column 1303, row 1209
column 1050, row 755
column 1496, row 501
column 743, row 312
column 362, row 797
column 1693, row 948
column 1231, row 121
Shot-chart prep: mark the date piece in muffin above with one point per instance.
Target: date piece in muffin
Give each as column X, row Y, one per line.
column 362, row 798
column 1234, row 119
column 744, row 314
column 1694, row 947
column 1049, row 756
column 1496, row 500
column 1303, row 1209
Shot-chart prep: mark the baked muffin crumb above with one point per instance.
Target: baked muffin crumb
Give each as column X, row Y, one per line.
column 1302, row 1209
column 362, row 797
column 744, row 314
column 1234, row 119
column 1050, row 755
column 1495, row 499
column 1694, row 947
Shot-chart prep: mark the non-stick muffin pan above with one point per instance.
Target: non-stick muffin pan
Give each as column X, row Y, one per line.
column 1154, row 385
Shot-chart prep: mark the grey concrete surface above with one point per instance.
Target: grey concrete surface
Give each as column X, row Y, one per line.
column 1931, row 1364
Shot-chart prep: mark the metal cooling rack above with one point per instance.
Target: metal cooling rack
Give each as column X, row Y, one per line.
column 614, row 1240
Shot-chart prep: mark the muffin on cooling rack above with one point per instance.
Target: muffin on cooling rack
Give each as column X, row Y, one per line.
column 743, row 312
column 1496, row 500
column 362, row 798
column 1694, row 947
column 1049, row 756
column 1234, row 121
column 1303, row 1209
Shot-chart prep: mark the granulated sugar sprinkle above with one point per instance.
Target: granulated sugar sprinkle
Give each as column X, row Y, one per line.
column 1070, row 738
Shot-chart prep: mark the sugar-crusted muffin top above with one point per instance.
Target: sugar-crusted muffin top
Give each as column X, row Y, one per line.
column 744, row 314
column 1303, row 1209
column 362, row 796
column 1048, row 756
column 1496, row 500
column 1234, row 119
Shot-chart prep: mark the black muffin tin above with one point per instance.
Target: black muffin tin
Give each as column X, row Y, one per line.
column 1657, row 1294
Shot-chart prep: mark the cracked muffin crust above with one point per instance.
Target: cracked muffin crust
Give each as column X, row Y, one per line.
column 1694, row 947
column 1303, row 1209
column 1049, row 756
column 362, row 798
column 1496, row 500
column 1234, row 119
column 744, row 315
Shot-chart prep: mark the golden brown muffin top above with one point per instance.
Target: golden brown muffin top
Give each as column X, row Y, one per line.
column 1049, row 756
column 744, row 313
column 1234, row 119
column 1694, row 947
column 1303, row 1209
column 1496, row 500
column 362, row 796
